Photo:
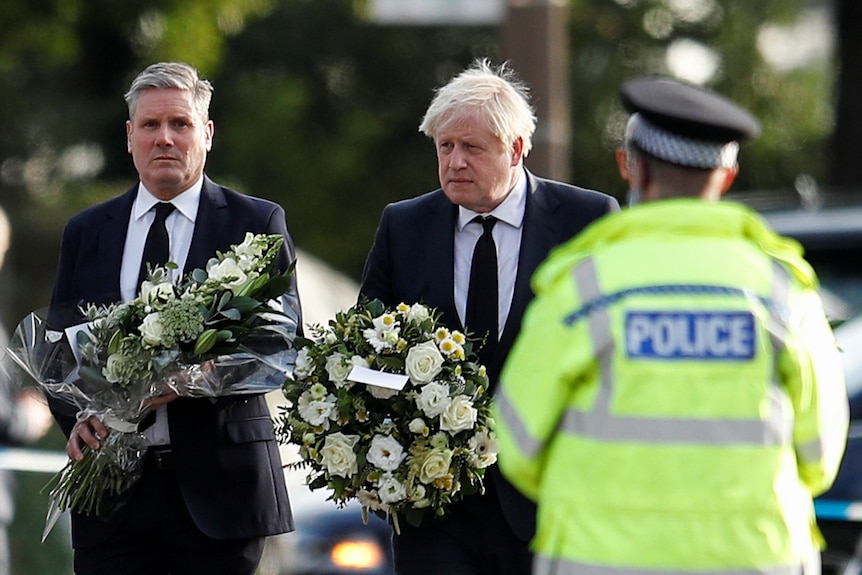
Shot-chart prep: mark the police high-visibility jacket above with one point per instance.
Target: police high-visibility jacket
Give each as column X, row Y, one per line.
column 675, row 398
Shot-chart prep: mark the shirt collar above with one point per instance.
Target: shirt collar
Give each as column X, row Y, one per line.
column 186, row 202
column 511, row 210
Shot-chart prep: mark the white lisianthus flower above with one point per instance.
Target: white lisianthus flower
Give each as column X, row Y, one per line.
column 483, row 449
column 440, row 440
column 370, row 499
column 386, row 453
column 417, row 493
column 419, row 427
column 153, row 292
column 337, row 368
column 337, row 454
column 391, row 490
column 459, row 415
column 152, row 329
column 317, row 391
column 423, row 363
column 330, row 337
column 303, row 366
column 315, row 412
column 435, row 465
column 433, row 399
column 227, row 272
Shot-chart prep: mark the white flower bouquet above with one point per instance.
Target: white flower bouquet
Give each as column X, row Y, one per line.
column 215, row 331
column 398, row 450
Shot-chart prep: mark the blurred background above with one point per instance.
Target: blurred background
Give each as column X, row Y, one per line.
column 317, row 105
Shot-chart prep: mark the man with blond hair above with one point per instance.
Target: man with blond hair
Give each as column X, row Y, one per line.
column 490, row 215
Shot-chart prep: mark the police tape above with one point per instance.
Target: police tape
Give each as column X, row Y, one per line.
column 843, row 510
column 38, row 460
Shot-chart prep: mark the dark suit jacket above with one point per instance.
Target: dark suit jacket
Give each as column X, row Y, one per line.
column 227, row 460
column 412, row 260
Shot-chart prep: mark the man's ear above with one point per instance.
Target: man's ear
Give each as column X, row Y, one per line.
column 728, row 177
column 517, row 151
column 623, row 164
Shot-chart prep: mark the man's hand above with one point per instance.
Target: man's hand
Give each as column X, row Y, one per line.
column 90, row 431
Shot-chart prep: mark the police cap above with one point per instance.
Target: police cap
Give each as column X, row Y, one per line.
column 685, row 124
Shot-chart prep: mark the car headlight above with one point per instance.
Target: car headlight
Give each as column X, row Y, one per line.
column 360, row 554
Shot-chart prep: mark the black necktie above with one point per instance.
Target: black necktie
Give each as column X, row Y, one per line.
column 482, row 297
column 157, row 248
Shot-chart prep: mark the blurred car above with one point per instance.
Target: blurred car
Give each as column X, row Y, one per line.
column 329, row 540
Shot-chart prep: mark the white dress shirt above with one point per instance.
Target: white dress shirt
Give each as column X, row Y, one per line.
column 180, row 225
column 507, row 237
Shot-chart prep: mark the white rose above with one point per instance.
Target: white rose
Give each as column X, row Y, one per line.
column 458, row 415
column 435, row 465
column 418, row 313
column 386, row 453
column 337, row 454
column 112, row 367
column 228, row 273
column 151, row 330
column 433, row 399
column 391, row 490
column 423, row 362
column 337, row 368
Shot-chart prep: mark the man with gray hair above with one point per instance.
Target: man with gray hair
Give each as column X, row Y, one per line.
column 212, row 486
column 490, row 215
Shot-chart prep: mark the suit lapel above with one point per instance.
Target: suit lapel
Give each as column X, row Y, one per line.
column 439, row 236
column 211, row 222
column 110, row 245
column 539, row 235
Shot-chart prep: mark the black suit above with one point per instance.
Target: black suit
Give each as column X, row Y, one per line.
column 227, row 464
column 412, row 260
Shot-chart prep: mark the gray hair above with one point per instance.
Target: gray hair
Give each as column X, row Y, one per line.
column 500, row 98
column 172, row 75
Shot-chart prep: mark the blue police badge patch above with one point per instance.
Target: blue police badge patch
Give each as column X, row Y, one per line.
column 721, row 336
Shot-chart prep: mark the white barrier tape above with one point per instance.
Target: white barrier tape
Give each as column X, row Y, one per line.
column 41, row 461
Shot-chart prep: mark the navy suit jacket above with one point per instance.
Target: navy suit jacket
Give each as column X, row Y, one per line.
column 226, row 456
column 412, row 260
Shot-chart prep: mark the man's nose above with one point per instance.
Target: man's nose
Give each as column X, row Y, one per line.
column 164, row 136
column 457, row 158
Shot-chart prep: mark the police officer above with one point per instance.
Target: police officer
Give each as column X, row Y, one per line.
column 675, row 399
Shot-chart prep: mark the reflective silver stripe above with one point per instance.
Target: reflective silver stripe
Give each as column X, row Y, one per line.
column 526, row 444
column 776, row 323
column 601, row 335
column 543, row 565
column 811, row 451
column 600, row 424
